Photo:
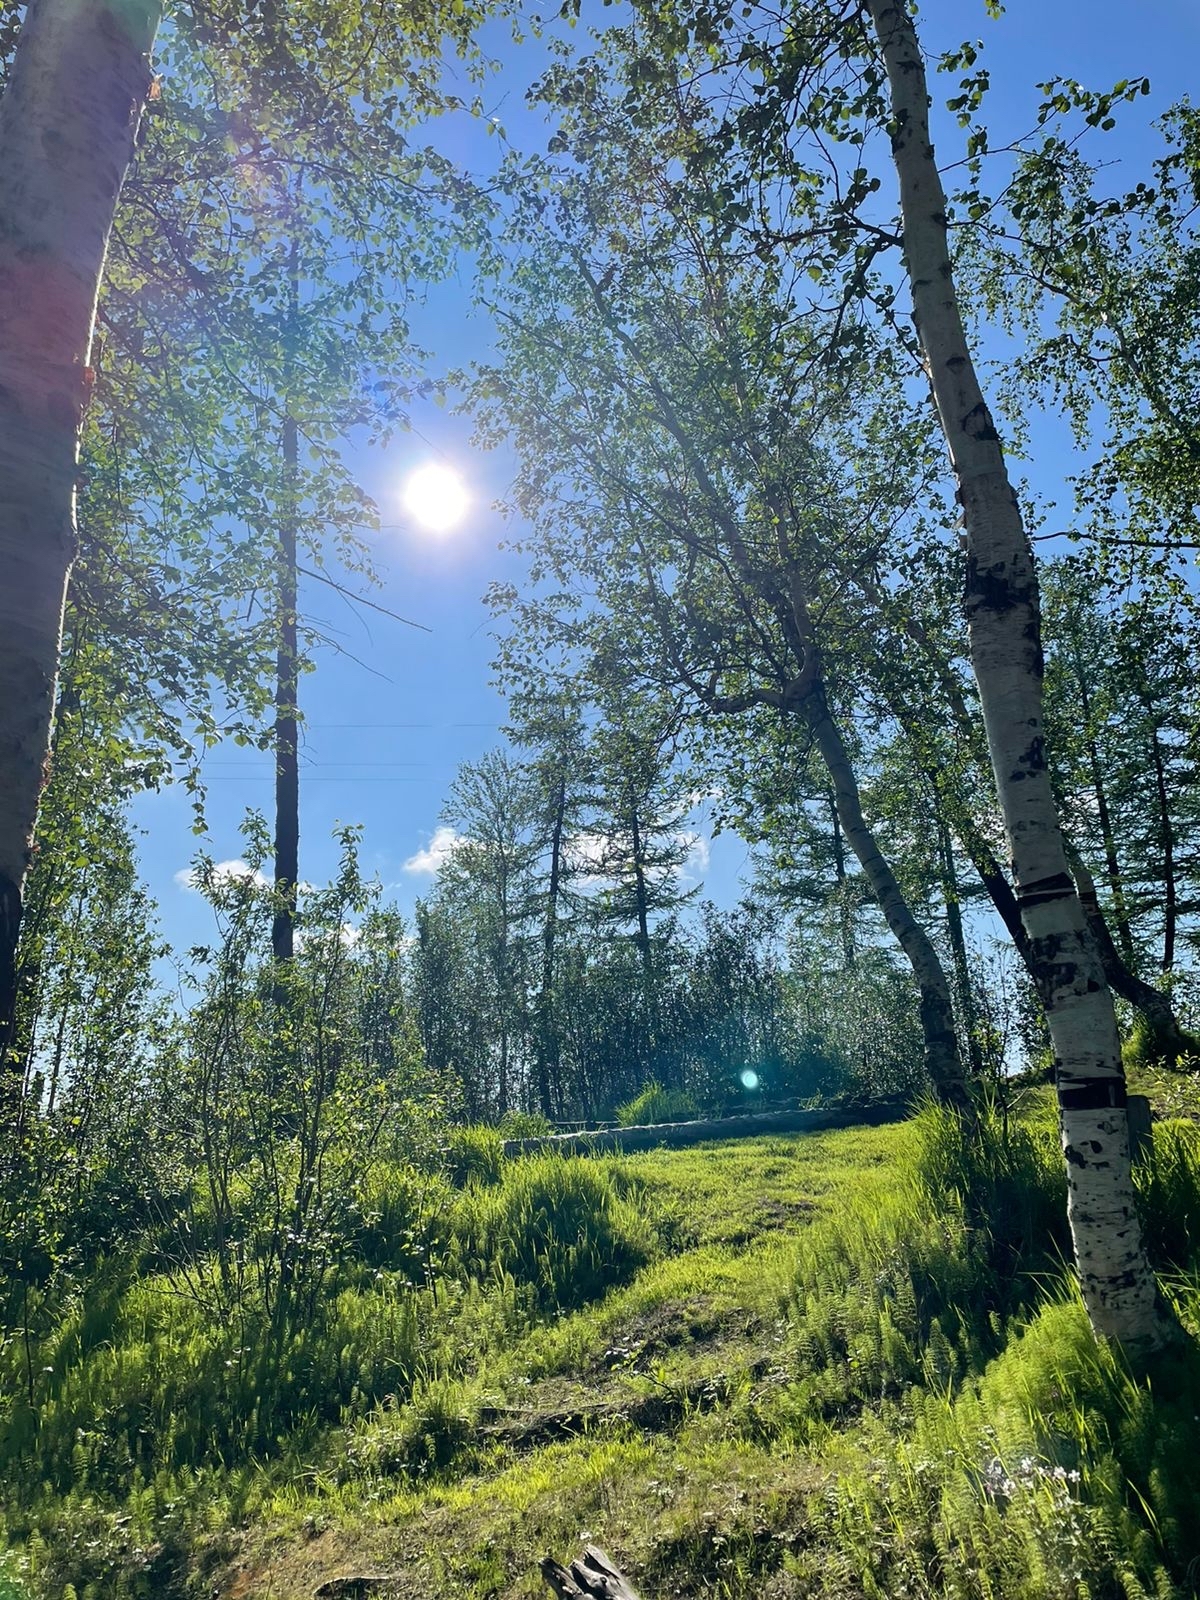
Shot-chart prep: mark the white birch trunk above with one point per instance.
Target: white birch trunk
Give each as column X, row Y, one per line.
column 1005, row 632
column 68, row 121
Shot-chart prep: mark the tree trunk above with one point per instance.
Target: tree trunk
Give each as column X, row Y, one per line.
column 952, row 900
column 654, row 1067
column 287, row 661
column 1168, row 1040
column 640, row 893
column 845, row 920
column 287, row 731
column 547, row 1031
column 942, row 1059
column 1112, row 863
column 1166, row 834
column 1003, row 620
column 68, row 120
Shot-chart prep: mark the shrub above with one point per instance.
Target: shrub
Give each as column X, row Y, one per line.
column 886, row 1294
column 557, row 1224
column 1053, row 1473
column 474, row 1155
column 427, row 1434
column 525, row 1125
column 656, row 1104
column 401, row 1220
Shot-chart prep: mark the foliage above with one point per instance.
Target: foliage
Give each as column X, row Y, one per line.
column 474, row 1155
column 556, row 1223
column 1005, row 1171
column 1168, row 1189
column 653, row 1103
column 837, row 1373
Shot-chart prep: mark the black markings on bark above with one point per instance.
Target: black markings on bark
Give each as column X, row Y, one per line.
column 1034, row 760
column 1092, row 1094
column 988, row 588
column 978, row 423
column 1041, row 891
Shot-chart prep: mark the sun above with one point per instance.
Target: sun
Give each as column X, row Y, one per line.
column 436, row 498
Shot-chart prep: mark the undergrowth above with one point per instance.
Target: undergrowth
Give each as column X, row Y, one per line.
column 845, row 1365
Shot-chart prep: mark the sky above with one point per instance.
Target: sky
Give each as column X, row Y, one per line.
column 393, row 712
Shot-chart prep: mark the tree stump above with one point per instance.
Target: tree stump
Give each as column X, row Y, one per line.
column 590, row 1576
column 1141, row 1127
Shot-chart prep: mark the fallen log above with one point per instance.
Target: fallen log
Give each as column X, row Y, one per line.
column 591, row 1576
column 676, row 1135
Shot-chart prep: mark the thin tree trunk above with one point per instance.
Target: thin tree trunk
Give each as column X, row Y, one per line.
column 1003, row 620
column 287, row 732
column 641, row 897
column 68, row 121
column 845, row 923
column 1112, row 865
column 642, row 940
column 1166, row 834
column 952, row 900
column 547, row 1031
column 942, row 1059
column 287, row 662
column 1168, row 1040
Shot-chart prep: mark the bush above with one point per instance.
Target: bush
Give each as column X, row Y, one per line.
column 558, row 1224
column 656, row 1104
column 525, row 1125
column 1055, row 1473
column 474, row 1155
column 401, row 1220
column 886, row 1294
column 427, row 1434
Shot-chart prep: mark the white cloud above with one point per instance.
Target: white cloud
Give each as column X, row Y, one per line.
column 429, row 861
column 586, row 852
column 696, row 861
column 223, row 871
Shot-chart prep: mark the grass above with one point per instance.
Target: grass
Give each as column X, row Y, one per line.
column 844, row 1364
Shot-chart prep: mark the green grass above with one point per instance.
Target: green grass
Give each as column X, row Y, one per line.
column 845, row 1364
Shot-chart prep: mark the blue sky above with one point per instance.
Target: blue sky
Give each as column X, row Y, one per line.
column 389, row 720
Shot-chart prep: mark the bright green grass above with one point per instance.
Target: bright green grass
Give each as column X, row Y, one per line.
column 817, row 1370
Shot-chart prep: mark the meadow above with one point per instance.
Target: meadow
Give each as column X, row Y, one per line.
column 844, row 1364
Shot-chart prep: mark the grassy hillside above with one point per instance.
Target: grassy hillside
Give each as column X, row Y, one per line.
column 841, row 1365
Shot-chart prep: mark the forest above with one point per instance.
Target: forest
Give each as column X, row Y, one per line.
column 839, row 384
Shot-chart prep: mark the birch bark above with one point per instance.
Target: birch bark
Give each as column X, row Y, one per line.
column 68, row 122
column 1003, row 618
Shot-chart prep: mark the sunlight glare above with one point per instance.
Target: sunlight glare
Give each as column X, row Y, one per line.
column 436, row 497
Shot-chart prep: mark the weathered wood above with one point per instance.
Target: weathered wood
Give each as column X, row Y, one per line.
column 1141, row 1127
column 676, row 1135
column 591, row 1576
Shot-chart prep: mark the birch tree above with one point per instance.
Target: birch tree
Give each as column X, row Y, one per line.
column 69, row 118
column 1004, row 625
